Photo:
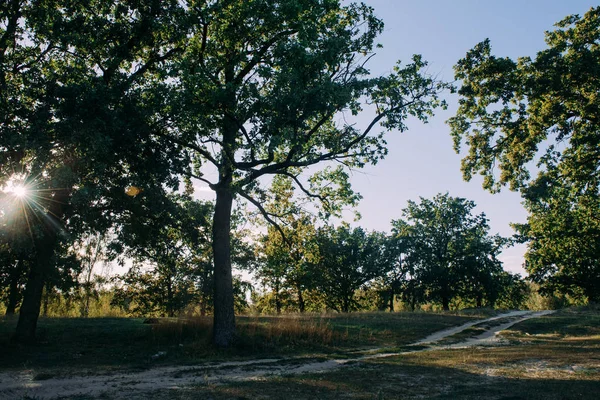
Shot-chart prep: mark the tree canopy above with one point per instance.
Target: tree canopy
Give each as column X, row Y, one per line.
column 541, row 115
column 258, row 91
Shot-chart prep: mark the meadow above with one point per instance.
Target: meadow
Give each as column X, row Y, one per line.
column 552, row 357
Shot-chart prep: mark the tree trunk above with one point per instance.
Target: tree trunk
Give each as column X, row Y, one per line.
column 392, row 300
column 277, row 304
column 13, row 290
column 301, row 305
column 32, row 298
column 46, row 298
column 224, row 317
column 86, row 302
column 446, row 303
column 346, row 305
column 170, row 308
column 277, row 299
column 39, row 269
column 479, row 300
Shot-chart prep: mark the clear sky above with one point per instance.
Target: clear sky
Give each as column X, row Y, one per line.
column 421, row 161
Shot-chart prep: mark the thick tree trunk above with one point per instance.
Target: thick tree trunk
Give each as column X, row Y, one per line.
column 446, row 303
column 40, row 267
column 13, row 290
column 392, row 292
column 224, row 317
column 479, row 300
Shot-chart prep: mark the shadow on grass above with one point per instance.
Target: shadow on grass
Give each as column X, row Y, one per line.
column 125, row 343
column 394, row 382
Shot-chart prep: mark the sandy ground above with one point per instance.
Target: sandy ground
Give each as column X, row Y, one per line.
column 14, row 385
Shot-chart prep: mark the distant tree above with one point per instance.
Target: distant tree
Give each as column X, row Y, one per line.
column 290, row 250
column 513, row 291
column 402, row 269
column 481, row 268
column 446, row 245
column 349, row 258
column 90, row 250
column 395, row 270
column 172, row 252
column 543, row 112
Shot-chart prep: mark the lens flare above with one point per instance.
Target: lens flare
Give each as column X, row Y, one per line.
column 20, row 191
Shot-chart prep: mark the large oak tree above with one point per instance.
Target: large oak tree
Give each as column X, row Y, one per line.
column 77, row 84
column 263, row 88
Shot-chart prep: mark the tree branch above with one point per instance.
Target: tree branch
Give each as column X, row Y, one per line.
column 267, row 215
column 190, row 146
column 261, row 52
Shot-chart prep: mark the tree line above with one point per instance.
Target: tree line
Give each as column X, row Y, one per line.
column 438, row 253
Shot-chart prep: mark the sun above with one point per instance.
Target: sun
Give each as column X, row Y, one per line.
column 20, row 191
column 17, row 189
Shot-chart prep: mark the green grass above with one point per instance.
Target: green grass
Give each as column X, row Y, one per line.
column 126, row 343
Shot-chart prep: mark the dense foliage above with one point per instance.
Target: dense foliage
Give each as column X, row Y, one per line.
column 545, row 111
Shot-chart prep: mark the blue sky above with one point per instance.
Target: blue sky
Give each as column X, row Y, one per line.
column 421, row 162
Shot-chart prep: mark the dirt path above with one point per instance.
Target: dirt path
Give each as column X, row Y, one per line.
column 437, row 336
column 128, row 385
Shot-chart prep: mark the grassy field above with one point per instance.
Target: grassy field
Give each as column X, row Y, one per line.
column 121, row 343
column 554, row 357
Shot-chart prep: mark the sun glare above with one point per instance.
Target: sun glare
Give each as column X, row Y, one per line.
column 19, row 191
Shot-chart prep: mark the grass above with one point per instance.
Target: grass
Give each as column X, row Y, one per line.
column 554, row 357
column 107, row 344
